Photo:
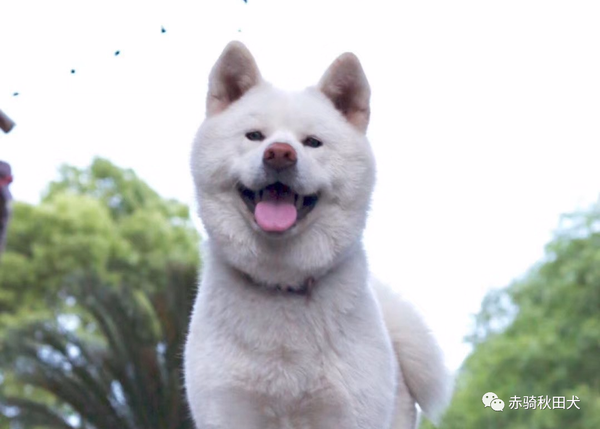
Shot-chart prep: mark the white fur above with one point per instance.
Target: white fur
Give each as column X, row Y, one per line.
column 257, row 358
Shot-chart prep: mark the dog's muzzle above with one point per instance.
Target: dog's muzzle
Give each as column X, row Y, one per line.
column 276, row 207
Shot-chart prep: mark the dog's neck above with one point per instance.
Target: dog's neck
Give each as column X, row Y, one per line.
column 299, row 284
column 303, row 289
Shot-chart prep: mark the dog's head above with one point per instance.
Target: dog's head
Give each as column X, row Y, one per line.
column 283, row 180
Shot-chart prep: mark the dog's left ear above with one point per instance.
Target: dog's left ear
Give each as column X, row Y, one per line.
column 234, row 73
column 346, row 85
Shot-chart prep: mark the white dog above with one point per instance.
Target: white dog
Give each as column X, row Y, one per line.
column 288, row 329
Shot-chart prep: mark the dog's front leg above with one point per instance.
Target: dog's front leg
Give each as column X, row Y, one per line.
column 328, row 409
column 329, row 418
column 228, row 409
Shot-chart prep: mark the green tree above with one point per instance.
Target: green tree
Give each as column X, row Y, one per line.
column 97, row 284
column 539, row 337
column 113, row 362
column 103, row 220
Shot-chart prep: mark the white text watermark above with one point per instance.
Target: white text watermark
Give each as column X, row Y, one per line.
column 540, row 402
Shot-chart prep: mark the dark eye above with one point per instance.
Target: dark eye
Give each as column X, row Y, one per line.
column 255, row 136
column 312, row 142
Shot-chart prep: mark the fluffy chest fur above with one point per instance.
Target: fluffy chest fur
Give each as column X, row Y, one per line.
column 289, row 351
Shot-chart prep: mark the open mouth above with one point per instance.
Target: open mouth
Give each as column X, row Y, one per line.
column 276, row 207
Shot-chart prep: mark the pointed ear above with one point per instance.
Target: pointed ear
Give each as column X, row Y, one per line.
column 234, row 73
column 346, row 85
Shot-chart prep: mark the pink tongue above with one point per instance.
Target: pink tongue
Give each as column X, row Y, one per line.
column 275, row 216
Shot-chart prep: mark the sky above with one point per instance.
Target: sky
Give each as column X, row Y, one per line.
column 485, row 116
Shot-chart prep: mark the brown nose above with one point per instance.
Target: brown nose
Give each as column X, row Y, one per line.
column 280, row 156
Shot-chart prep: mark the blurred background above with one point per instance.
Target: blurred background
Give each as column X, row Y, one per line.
column 485, row 125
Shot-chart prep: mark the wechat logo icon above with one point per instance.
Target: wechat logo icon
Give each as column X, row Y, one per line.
column 491, row 400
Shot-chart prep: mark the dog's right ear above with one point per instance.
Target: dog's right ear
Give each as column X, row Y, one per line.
column 234, row 73
column 346, row 85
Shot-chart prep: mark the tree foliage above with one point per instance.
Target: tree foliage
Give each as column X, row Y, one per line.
column 97, row 284
column 539, row 337
column 113, row 361
column 102, row 220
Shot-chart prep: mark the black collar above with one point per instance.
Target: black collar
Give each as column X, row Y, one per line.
column 303, row 289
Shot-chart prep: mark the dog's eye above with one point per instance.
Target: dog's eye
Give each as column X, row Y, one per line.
column 255, row 136
column 312, row 142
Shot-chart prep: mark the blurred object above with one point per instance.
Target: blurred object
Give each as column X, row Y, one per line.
column 6, row 124
column 5, row 198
